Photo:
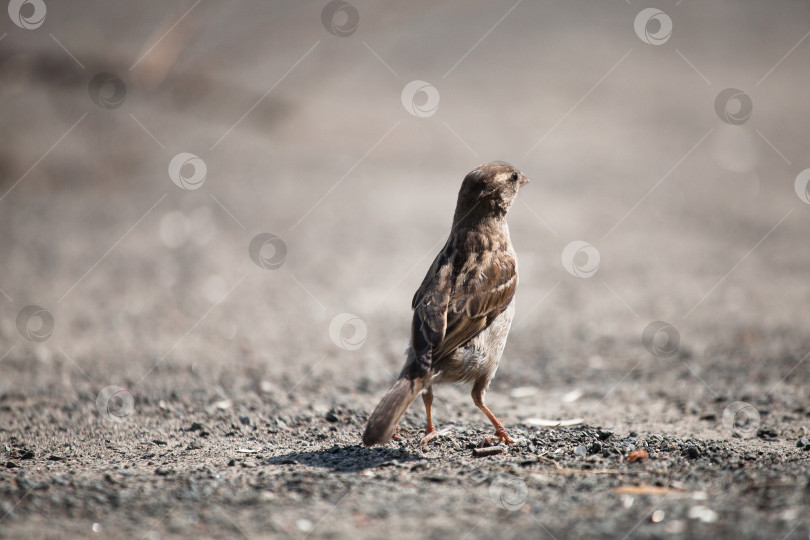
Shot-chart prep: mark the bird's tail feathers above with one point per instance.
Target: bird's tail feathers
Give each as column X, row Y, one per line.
column 389, row 411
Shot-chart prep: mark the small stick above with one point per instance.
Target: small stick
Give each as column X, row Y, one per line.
column 488, row 451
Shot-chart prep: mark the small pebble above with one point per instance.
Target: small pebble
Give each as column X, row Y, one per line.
column 604, row 434
column 638, row 455
column 767, row 433
column 703, row 513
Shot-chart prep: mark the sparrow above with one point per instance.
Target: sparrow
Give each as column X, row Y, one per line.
column 463, row 310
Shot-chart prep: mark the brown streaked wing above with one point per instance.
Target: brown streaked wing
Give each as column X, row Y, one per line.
column 474, row 304
column 431, row 300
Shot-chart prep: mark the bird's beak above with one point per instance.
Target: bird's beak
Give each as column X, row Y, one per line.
column 523, row 180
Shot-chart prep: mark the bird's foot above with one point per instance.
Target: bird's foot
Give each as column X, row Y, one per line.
column 500, row 436
column 431, row 434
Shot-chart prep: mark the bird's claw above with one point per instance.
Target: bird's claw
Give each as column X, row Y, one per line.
column 500, row 436
column 430, row 435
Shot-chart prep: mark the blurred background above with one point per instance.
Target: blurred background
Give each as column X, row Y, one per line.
column 214, row 216
column 198, row 193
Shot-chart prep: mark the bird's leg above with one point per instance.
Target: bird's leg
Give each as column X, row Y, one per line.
column 430, row 430
column 479, row 388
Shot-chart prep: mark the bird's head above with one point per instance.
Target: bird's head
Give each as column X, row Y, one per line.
column 489, row 190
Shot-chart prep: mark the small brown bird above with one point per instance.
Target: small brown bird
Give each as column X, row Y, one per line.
column 464, row 308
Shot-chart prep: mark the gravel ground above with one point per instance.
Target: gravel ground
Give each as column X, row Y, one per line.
column 177, row 379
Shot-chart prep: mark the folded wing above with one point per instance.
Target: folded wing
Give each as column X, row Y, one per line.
column 461, row 295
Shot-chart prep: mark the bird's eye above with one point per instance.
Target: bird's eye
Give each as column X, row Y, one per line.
column 514, row 176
